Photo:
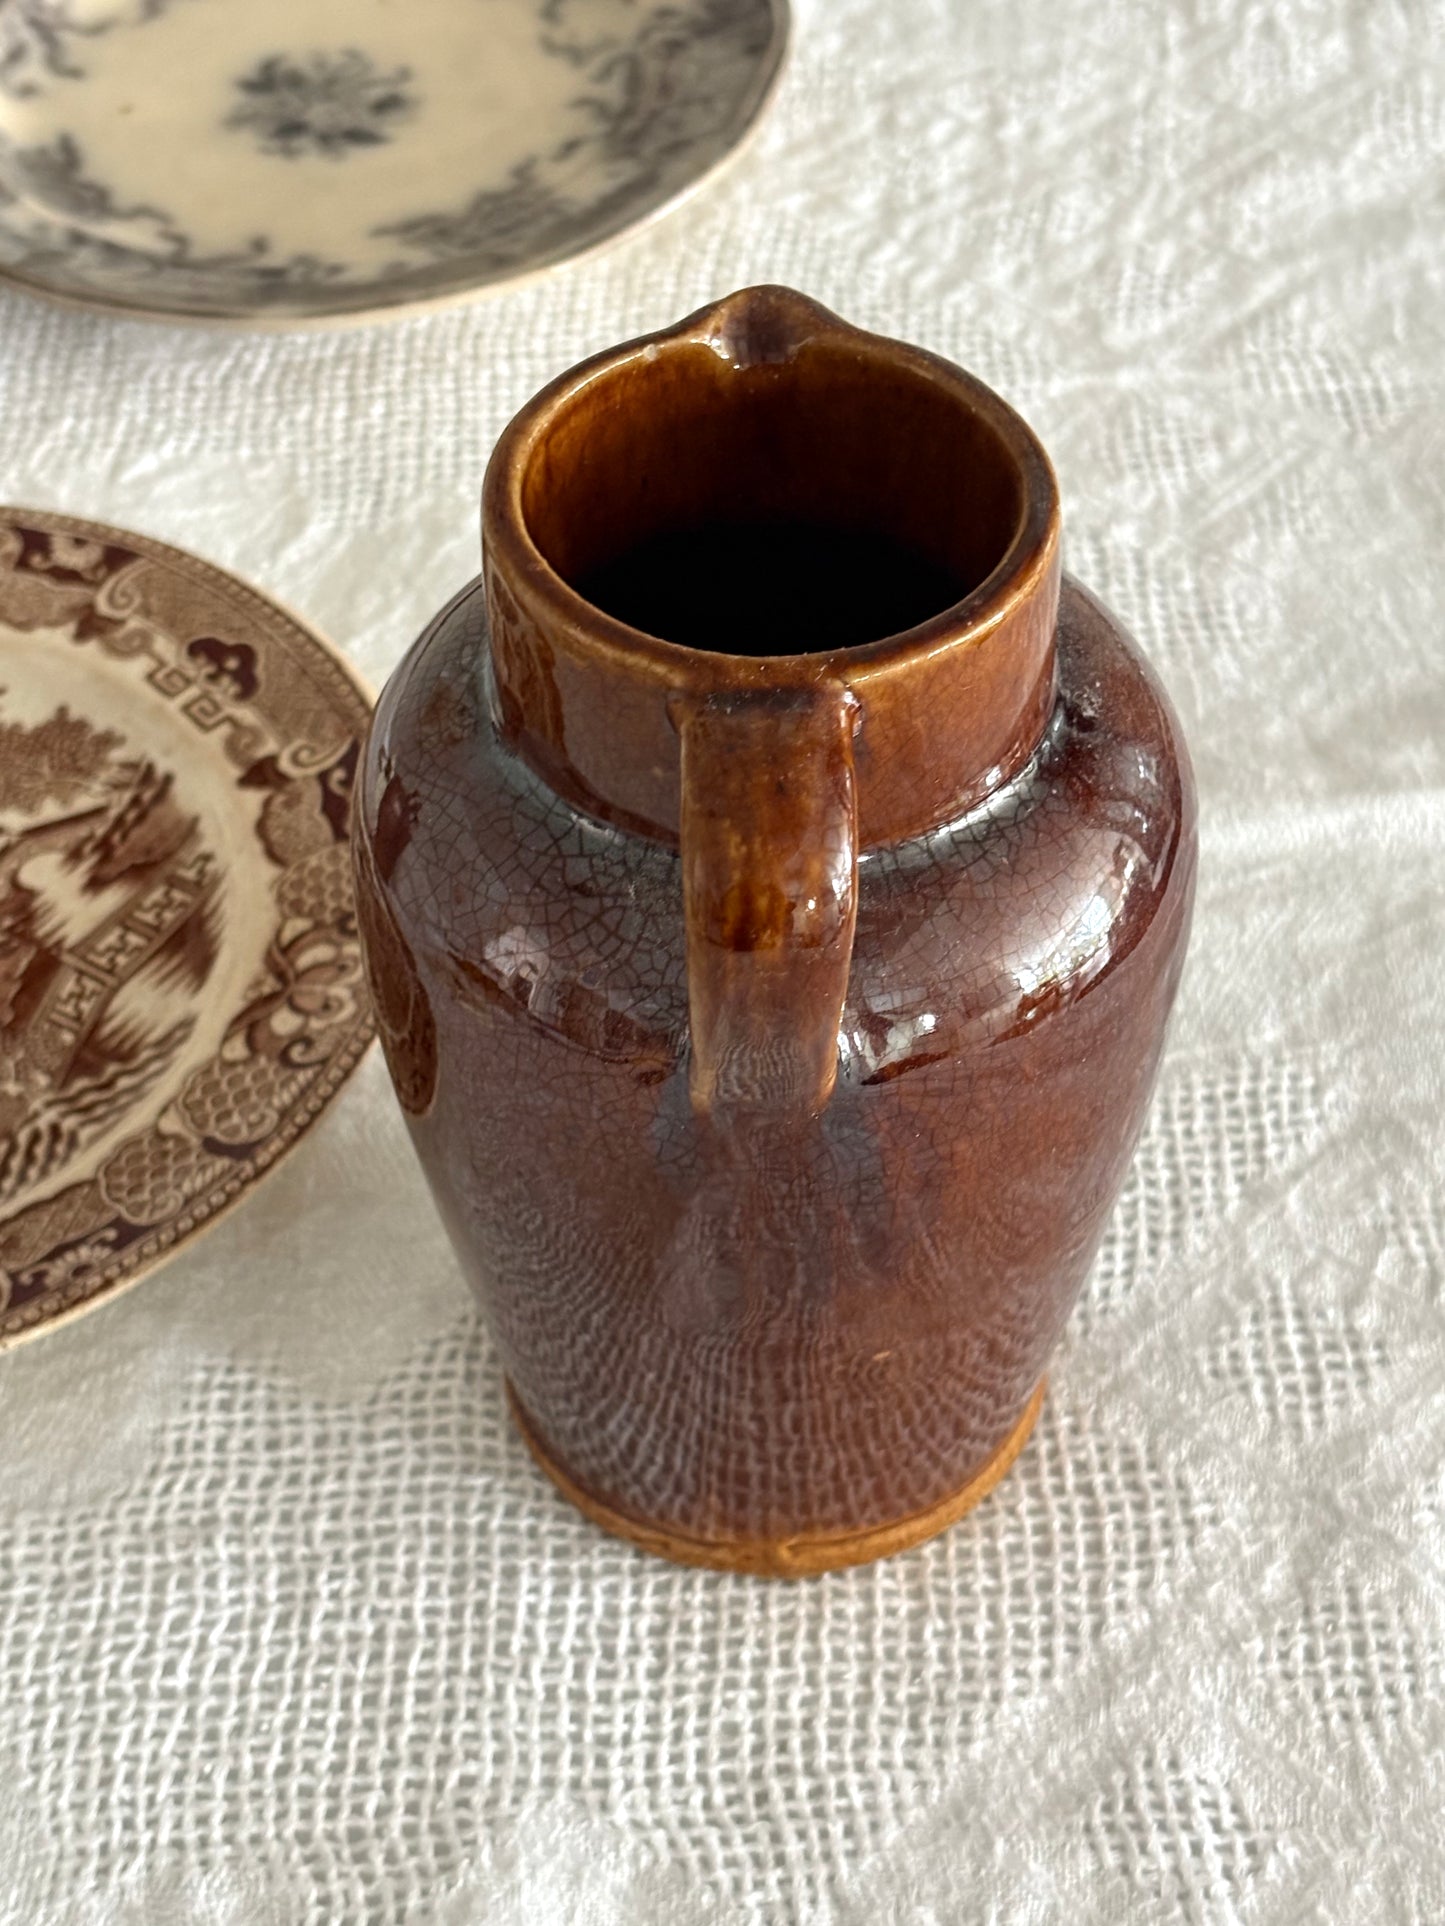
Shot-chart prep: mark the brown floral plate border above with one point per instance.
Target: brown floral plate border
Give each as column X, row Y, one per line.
column 180, row 979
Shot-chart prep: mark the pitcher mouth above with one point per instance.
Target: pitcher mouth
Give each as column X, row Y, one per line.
column 758, row 417
column 762, row 416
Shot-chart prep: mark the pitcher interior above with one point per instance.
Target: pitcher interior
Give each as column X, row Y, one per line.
column 818, row 503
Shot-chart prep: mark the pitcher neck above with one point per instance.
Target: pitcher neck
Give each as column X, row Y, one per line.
column 766, row 405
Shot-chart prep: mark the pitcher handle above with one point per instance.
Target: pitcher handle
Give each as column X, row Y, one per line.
column 770, row 891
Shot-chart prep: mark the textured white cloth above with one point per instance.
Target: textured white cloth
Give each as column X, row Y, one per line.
column 292, row 1631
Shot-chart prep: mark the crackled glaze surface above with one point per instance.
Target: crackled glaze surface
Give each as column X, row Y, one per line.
column 235, row 158
column 180, row 983
column 794, row 1308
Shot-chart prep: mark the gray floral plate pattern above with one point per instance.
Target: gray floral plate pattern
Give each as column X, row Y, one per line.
column 292, row 160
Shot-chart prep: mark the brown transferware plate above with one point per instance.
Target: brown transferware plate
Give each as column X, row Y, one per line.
column 180, row 984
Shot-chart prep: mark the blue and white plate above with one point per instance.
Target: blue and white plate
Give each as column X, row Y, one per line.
column 289, row 160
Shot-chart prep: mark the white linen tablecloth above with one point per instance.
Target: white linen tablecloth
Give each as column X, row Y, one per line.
column 290, row 1628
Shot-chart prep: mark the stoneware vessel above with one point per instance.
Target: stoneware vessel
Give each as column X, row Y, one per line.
column 774, row 879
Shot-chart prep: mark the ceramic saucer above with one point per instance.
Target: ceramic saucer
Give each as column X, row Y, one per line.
column 180, row 981
column 286, row 160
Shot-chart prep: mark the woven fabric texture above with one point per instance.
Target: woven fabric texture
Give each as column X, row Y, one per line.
column 290, row 1628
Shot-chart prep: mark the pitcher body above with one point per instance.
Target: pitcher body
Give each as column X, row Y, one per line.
column 774, row 1003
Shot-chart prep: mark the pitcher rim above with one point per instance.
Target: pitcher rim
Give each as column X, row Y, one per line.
column 772, row 324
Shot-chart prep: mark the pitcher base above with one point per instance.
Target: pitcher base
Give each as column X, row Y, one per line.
column 802, row 1556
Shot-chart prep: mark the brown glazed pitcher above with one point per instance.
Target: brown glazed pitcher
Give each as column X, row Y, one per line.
column 775, row 880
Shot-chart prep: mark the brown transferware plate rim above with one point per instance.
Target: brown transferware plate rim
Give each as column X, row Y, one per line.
column 348, row 1058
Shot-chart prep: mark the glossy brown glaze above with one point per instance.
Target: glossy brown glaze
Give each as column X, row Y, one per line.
column 779, row 1557
column 774, row 1029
